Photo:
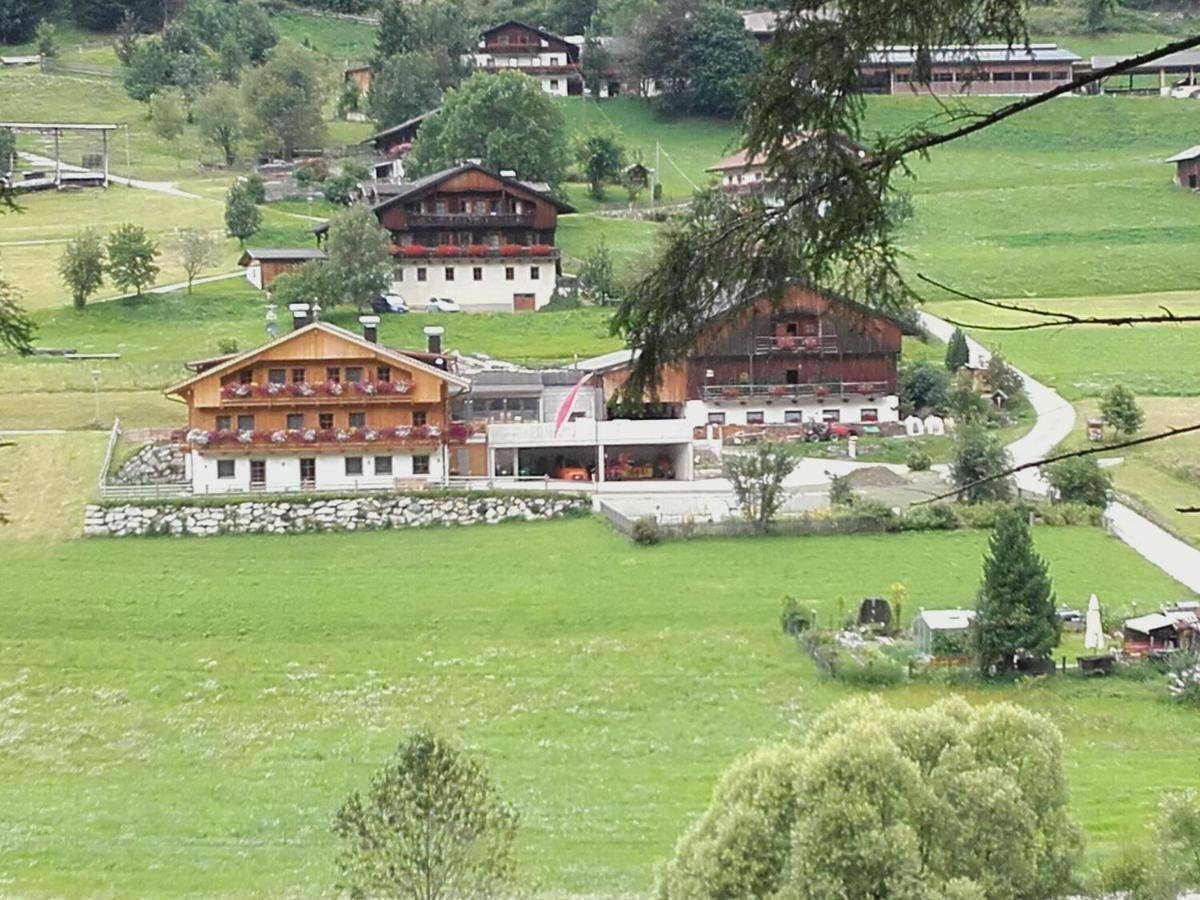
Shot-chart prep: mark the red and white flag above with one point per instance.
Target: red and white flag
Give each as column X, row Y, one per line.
column 568, row 404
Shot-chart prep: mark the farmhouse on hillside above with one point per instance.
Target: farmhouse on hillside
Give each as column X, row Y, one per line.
column 319, row 408
column 1187, row 168
column 811, row 356
column 360, row 76
column 392, row 145
column 746, row 174
column 515, row 46
column 484, row 239
column 265, row 265
column 995, row 69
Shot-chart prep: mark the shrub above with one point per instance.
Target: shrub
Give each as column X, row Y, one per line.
column 877, row 513
column 255, row 188
column 1079, row 480
column 918, row 460
column 931, row 517
column 874, row 670
column 1138, row 875
column 1069, row 514
column 1184, row 685
column 646, row 532
column 226, row 346
column 840, row 491
column 792, row 619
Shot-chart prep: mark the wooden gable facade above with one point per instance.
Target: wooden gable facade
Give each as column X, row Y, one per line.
column 809, row 343
column 466, row 205
column 318, row 379
column 516, row 38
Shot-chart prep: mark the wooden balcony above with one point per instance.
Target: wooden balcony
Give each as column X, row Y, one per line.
column 823, row 345
column 308, row 394
column 318, row 441
column 469, row 220
column 829, row 390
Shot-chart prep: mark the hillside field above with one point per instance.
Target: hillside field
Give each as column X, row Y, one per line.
column 189, row 727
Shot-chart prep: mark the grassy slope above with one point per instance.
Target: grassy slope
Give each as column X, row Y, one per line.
column 188, row 727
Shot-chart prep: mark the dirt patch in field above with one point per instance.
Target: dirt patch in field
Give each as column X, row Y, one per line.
column 876, row 477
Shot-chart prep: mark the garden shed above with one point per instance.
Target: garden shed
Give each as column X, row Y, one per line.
column 942, row 632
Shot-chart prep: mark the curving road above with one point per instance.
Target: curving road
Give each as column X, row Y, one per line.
column 1055, row 421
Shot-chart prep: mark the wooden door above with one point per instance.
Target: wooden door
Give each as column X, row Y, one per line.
column 524, row 303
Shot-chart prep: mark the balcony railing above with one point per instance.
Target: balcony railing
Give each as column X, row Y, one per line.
column 308, row 393
column 590, row 431
column 815, row 391
column 318, row 438
column 470, row 220
column 824, row 344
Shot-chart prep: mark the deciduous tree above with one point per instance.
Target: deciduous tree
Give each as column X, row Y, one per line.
column 167, row 114
column 432, row 825
column 359, row 256
column 218, row 117
column 196, row 250
column 408, row 85
column 596, row 279
column 757, row 476
column 1079, row 480
column 1015, row 612
column 978, row 456
column 600, row 156
column 150, row 69
column 504, row 119
column 1119, row 408
column 18, row 19
column 283, row 101
column 81, row 266
column 46, row 37
column 312, row 282
column 944, row 802
column 923, row 387
column 131, row 255
column 128, row 34
column 242, row 215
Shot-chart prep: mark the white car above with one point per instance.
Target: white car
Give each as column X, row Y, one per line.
column 442, row 304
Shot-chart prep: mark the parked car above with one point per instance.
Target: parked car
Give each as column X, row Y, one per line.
column 389, row 303
column 1186, row 91
column 442, row 304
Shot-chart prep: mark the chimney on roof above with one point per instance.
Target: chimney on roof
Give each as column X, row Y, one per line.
column 299, row 315
column 433, row 338
column 370, row 326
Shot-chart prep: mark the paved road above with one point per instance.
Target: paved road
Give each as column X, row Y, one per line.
column 1055, row 421
column 160, row 187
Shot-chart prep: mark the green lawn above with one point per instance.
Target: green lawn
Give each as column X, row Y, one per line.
column 1082, row 361
column 188, row 723
column 157, row 333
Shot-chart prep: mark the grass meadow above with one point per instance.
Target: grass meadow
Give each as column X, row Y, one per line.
column 188, row 723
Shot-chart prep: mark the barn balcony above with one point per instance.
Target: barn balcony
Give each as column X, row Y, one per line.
column 812, row 391
column 825, row 344
column 470, row 220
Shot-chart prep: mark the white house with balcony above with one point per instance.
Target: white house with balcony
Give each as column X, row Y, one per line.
column 548, row 58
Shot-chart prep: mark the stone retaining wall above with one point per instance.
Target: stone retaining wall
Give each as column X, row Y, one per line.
column 270, row 516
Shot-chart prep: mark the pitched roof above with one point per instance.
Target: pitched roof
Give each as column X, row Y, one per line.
column 1184, row 156
column 547, row 35
column 425, row 183
column 396, row 356
column 947, row 619
column 972, row 54
column 259, row 254
column 406, row 124
column 743, row 159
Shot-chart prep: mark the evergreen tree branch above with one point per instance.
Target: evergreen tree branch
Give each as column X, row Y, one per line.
column 1048, row 460
column 1057, row 318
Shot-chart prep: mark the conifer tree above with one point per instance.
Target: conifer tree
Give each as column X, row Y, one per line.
column 958, row 354
column 1015, row 606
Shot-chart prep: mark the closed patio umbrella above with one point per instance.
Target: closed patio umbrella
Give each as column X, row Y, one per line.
column 1093, row 638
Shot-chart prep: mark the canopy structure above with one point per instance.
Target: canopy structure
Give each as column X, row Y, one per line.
column 1093, row 638
column 93, row 167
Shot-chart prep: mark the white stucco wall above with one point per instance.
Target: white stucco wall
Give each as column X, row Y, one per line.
column 283, row 471
column 493, row 293
column 254, row 274
column 888, row 408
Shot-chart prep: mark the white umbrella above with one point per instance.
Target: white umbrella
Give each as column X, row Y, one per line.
column 1093, row 639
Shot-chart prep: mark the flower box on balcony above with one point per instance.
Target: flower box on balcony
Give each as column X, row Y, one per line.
column 777, row 390
column 236, row 389
column 811, row 343
column 512, row 250
column 478, row 249
column 300, row 389
column 541, row 250
column 786, row 343
column 415, row 250
column 331, row 388
column 449, row 250
column 732, row 393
